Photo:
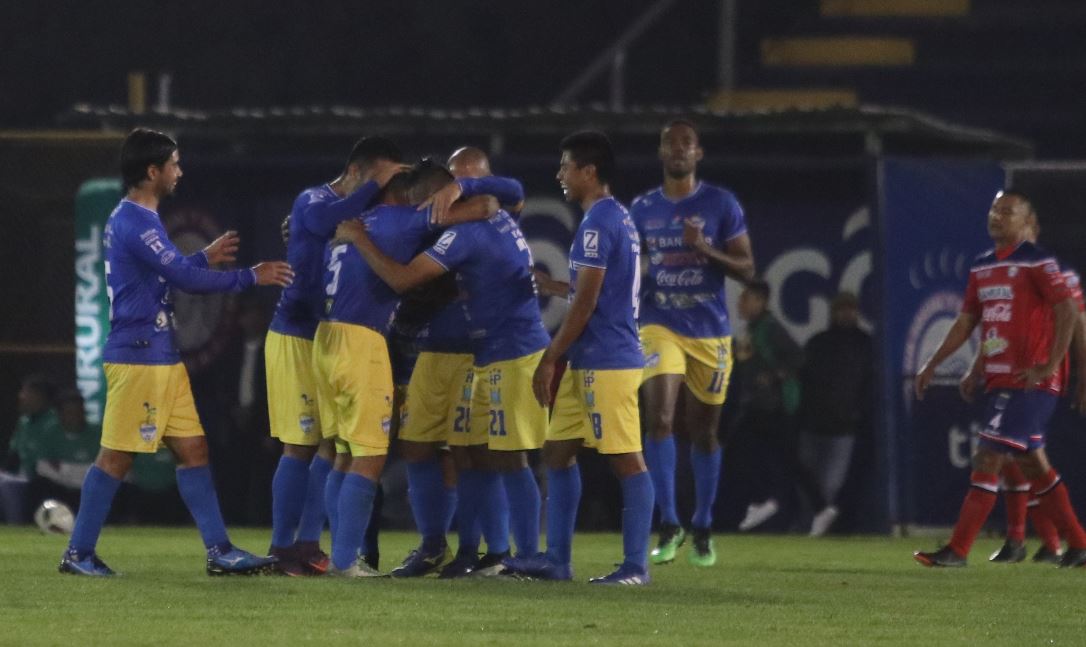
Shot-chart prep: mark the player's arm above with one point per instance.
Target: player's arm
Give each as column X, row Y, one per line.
column 401, row 278
column 967, row 387
column 223, row 249
column 508, row 192
column 737, row 257
column 955, row 337
column 321, row 218
column 1066, row 315
column 589, row 284
column 549, row 287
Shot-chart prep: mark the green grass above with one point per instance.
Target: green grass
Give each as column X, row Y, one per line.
column 765, row 590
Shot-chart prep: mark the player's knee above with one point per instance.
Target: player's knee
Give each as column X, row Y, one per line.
column 704, row 440
column 114, row 463
column 299, row 452
column 661, row 423
column 505, row 461
column 625, row 465
column 987, row 461
column 189, row 452
column 1034, row 465
column 413, row 452
column 559, row 455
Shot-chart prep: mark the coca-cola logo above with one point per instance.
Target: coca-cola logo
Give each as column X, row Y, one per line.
column 684, row 278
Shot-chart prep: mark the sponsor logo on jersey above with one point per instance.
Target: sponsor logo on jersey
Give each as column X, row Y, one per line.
column 1052, row 268
column 655, row 223
column 1012, row 271
column 995, row 368
column 591, row 243
column 443, row 243
column 162, row 321
column 993, row 344
column 166, row 258
column 688, row 277
column 995, row 293
column 997, row 312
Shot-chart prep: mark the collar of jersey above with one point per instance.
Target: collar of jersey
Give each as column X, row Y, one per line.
column 693, row 193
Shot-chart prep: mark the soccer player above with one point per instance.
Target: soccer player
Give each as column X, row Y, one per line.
column 350, row 355
column 596, row 404
column 694, row 234
column 149, row 401
column 494, row 270
column 298, row 485
column 1027, row 315
column 1013, row 483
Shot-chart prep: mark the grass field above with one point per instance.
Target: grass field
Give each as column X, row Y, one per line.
column 765, row 590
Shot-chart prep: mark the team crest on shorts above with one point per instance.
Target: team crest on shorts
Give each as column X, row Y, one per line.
column 305, row 419
column 386, row 425
column 148, row 428
column 589, row 394
column 652, row 360
column 495, row 387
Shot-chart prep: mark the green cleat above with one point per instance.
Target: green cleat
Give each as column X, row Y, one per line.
column 671, row 537
column 703, row 553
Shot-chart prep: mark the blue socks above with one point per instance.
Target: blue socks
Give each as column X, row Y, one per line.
column 312, row 521
column 288, row 497
column 426, row 491
column 198, row 492
column 706, row 478
column 355, row 507
column 331, row 499
column 493, row 512
column 563, row 498
column 95, row 501
column 524, row 505
column 660, row 458
column 469, row 499
column 452, row 498
column 636, row 518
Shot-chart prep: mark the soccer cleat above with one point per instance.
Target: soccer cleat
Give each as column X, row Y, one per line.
column 373, row 560
column 90, row 565
column 1011, row 552
column 624, row 575
column 489, row 565
column 358, row 569
column 671, row 537
column 944, row 557
column 537, row 567
column 288, row 563
column 758, row 513
column 420, row 563
column 461, row 566
column 1073, row 558
column 703, row 553
column 313, row 558
column 822, row 521
column 1044, row 555
column 236, row 561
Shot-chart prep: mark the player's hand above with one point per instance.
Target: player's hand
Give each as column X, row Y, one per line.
column 440, row 202
column 352, row 231
column 693, row 237
column 384, row 170
column 923, row 379
column 1034, row 375
column 541, row 381
column 223, row 249
column 968, row 386
column 284, row 230
column 274, row 273
column 549, row 287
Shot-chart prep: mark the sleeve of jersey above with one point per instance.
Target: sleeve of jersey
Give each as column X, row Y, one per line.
column 591, row 246
column 322, row 218
column 507, row 190
column 199, row 259
column 1050, row 282
column 734, row 223
column 971, row 304
column 147, row 241
column 452, row 248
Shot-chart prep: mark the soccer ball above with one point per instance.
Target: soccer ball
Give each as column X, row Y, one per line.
column 54, row 516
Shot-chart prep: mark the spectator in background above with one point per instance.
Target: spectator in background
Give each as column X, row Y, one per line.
column 65, row 453
column 37, row 421
column 768, row 360
column 837, row 386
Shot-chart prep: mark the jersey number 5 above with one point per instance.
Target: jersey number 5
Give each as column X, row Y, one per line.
column 335, row 263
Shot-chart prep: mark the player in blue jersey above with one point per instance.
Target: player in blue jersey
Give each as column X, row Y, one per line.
column 596, row 404
column 350, row 355
column 493, row 267
column 149, row 402
column 694, row 235
column 299, row 483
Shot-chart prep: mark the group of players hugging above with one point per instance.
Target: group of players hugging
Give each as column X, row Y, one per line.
column 430, row 256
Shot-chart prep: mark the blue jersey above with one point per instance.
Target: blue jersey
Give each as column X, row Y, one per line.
column 683, row 291
column 494, row 270
column 607, row 239
column 353, row 292
column 141, row 267
column 447, row 332
column 313, row 219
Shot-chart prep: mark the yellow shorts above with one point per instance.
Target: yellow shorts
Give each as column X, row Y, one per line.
column 600, row 407
column 354, row 386
column 704, row 363
column 144, row 404
column 504, row 412
column 292, row 391
column 438, row 404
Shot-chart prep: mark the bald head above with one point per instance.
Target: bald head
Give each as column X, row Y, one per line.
column 469, row 162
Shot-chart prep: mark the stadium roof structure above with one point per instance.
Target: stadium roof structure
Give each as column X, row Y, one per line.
column 863, row 130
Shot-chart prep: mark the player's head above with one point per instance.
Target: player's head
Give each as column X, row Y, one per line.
column 680, row 151
column 587, row 164
column 845, row 310
column 36, row 394
column 71, row 410
column 426, row 178
column 396, row 191
column 469, row 162
column 365, row 154
column 1011, row 217
column 150, row 159
column 754, row 300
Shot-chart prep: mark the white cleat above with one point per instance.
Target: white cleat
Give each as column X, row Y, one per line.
column 823, row 521
column 758, row 513
column 358, row 569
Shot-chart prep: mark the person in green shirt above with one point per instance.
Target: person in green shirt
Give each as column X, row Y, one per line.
column 63, row 452
column 38, row 425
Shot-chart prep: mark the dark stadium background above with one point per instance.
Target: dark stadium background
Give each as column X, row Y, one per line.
column 265, row 98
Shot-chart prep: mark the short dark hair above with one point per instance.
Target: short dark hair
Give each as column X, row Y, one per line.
column 42, row 383
column 142, row 148
column 591, row 147
column 368, row 150
column 1021, row 195
column 759, row 287
column 427, row 176
column 681, row 121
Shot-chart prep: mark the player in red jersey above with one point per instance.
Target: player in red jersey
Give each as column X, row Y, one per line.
column 1027, row 314
column 1014, row 484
